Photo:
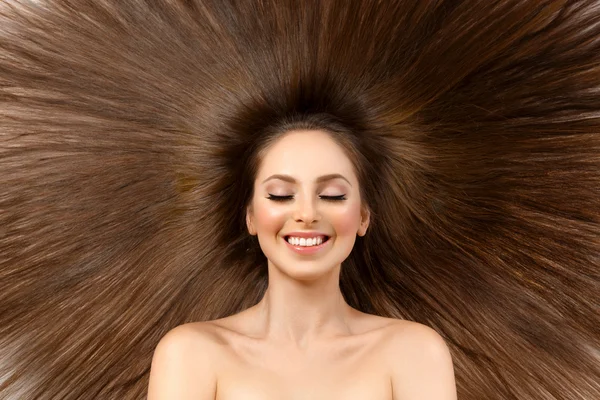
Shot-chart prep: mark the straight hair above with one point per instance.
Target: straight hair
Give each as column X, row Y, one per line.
column 131, row 132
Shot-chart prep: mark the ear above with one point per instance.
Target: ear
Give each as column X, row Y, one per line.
column 365, row 218
column 250, row 221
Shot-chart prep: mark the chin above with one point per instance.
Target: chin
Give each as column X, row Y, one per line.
column 304, row 270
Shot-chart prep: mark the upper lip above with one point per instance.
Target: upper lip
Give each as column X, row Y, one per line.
column 305, row 234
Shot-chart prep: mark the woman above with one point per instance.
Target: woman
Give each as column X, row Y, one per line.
column 302, row 340
column 129, row 141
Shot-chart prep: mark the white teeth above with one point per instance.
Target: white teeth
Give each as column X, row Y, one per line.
column 305, row 242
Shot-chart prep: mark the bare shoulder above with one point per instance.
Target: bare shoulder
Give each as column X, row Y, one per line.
column 420, row 363
column 409, row 335
column 183, row 365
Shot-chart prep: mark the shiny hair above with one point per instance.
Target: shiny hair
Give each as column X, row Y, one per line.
column 130, row 133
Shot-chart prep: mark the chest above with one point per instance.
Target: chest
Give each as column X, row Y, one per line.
column 352, row 374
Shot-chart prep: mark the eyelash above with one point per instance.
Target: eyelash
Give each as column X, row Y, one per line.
column 326, row 198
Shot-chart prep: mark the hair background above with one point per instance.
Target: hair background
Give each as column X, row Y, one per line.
column 125, row 125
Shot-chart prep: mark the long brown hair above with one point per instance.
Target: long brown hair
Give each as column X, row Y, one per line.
column 130, row 132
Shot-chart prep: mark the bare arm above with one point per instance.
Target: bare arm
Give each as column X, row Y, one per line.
column 422, row 366
column 181, row 367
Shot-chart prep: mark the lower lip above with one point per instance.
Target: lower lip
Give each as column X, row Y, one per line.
column 307, row 249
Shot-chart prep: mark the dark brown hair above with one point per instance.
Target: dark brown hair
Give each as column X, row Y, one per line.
column 130, row 131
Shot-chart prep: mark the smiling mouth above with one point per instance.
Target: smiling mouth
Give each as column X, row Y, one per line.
column 306, row 242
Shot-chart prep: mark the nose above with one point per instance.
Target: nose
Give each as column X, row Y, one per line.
column 306, row 211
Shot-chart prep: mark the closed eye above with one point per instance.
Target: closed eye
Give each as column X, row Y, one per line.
column 290, row 197
column 279, row 198
column 334, row 198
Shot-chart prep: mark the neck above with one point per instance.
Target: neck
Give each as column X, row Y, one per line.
column 300, row 312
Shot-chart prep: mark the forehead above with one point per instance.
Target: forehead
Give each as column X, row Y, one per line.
column 305, row 155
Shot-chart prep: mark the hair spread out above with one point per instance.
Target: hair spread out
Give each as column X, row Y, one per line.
column 130, row 133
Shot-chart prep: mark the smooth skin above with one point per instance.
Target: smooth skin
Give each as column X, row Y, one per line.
column 302, row 340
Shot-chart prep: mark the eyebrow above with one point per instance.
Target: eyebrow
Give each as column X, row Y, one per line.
column 320, row 179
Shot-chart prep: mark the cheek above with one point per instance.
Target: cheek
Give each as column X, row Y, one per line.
column 346, row 220
column 267, row 218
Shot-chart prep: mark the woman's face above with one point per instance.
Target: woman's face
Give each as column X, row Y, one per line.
column 306, row 193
